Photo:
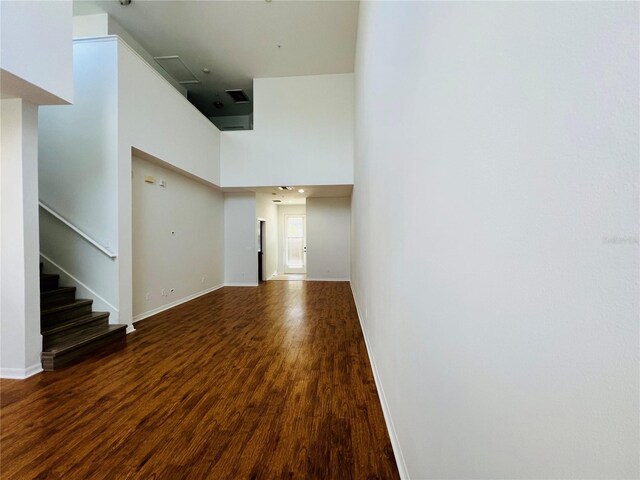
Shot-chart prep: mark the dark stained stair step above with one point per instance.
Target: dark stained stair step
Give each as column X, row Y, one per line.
column 48, row 282
column 59, row 296
column 55, row 333
column 83, row 341
column 62, row 313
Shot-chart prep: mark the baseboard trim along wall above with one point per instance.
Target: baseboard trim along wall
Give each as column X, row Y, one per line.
column 395, row 444
column 151, row 313
column 20, row 373
column 328, row 279
column 240, row 284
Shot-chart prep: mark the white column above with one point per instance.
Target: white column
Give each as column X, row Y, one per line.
column 20, row 339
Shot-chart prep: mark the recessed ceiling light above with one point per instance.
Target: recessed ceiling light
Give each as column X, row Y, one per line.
column 206, row 70
column 301, row 190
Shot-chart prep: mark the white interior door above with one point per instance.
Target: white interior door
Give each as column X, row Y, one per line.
column 295, row 244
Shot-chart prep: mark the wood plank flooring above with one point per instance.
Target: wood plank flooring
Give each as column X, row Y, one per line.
column 243, row 383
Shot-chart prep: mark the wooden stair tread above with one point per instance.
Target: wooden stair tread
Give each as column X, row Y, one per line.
column 75, row 322
column 81, row 338
column 70, row 330
column 67, row 306
column 57, row 291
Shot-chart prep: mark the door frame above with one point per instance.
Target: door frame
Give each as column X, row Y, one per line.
column 285, row 267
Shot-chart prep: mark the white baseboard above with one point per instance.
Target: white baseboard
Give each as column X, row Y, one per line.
column 328, row 279
column 395, row 444
column 155, row 311
column 130, row 329
column 20, row 373
column 240, row 284
column 271, row 276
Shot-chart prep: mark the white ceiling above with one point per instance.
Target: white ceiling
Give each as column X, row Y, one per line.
column 239, row 40
column 293, row 197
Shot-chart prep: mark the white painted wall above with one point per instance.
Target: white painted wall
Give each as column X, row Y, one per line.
column 78, row 145
column 303, row 134
column 20, row 339
column 114, row 28
column 96, row 25
column 328, row 238
column 78, row 175
column 122, row 104
column 240, row 239
column 155, row 119
column 495, row 247
column 101, row 24
column 268, row 211
column 36, row 51
column 178, row 240
column 282, row 211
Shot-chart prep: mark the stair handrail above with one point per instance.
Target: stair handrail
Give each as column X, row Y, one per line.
column 86, row 237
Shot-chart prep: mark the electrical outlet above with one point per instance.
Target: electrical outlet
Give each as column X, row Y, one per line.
column 203, row 279
column 172, row 290
column 164, row 292
column 148, row 295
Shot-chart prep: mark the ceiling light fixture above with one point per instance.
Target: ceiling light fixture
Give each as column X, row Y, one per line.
column 301, row 190
column 206, row 70
column 285, row 188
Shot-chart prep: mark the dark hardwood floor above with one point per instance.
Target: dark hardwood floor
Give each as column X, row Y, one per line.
column 265, row 382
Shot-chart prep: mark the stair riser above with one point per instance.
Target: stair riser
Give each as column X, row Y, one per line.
column 51, row 338
column 57, row 317
column 58, row 299
column 48, row 283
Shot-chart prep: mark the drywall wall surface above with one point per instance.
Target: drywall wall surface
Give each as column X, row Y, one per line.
column 303, row 134
column 268, row 211
column 240, row 244
column 96, row 25
column 78, row 145
column 328, row 238
column 171, row 129
column 20, row 339
column 35, row 47
column 495, row 235
column 282, row 211
column 178, row 238
column 78, row 176
column 114, row 28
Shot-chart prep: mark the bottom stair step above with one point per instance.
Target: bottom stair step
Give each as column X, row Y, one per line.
column 77, row 344
column 55, row 333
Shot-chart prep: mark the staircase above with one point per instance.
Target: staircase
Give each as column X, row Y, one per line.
column 70, row 329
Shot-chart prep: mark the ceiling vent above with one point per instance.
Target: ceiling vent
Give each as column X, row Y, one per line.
column 276, row 201
column 238, row 96
column 177, row 69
